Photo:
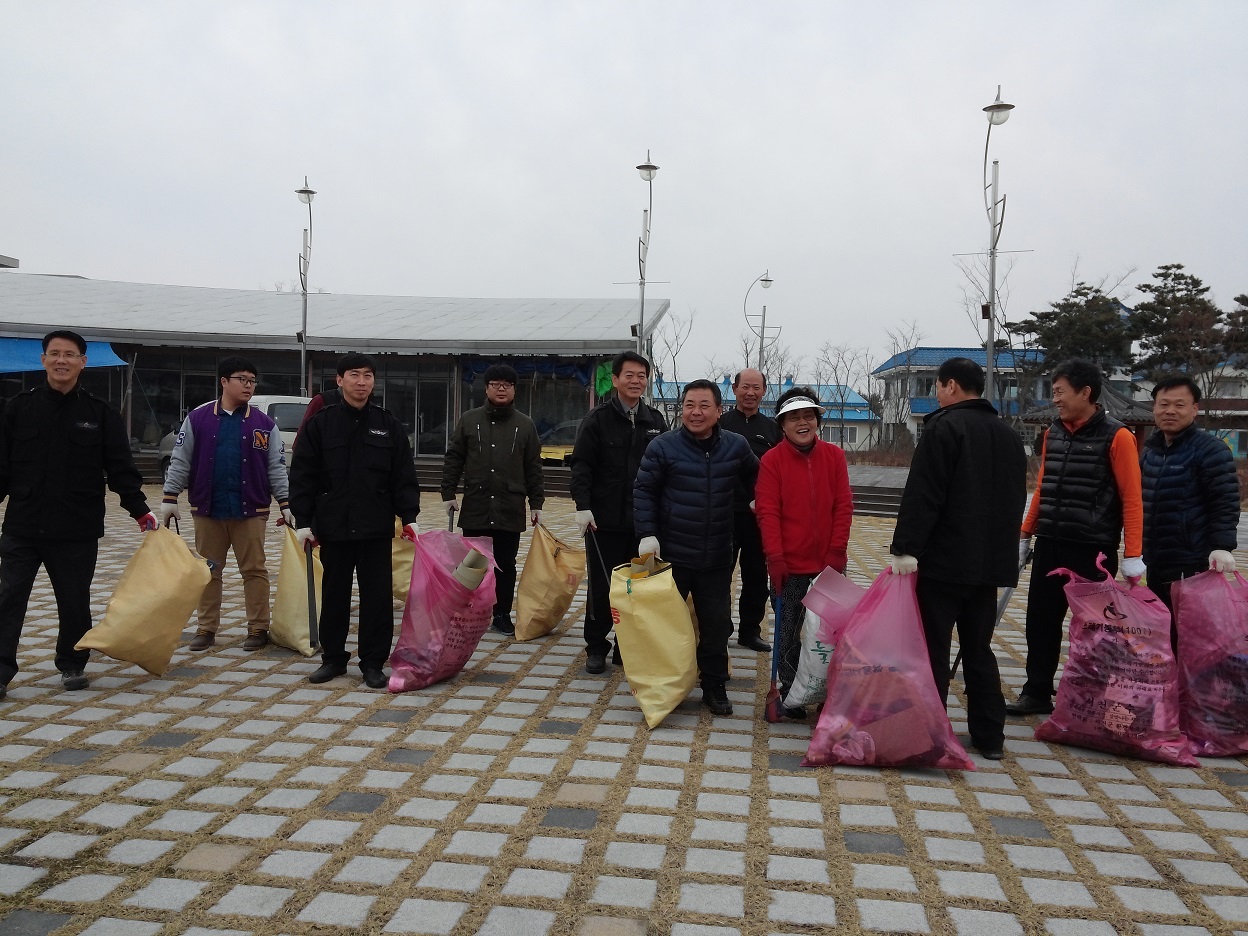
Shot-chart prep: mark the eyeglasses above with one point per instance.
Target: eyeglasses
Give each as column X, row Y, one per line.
column 500, row 385
column 63, row 355
column 245, row 381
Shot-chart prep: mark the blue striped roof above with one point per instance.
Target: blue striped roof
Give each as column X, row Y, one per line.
column 934, row 357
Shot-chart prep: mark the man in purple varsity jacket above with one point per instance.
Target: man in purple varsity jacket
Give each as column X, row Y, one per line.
column 231, row 458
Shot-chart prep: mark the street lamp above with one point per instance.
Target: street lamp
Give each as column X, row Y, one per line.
column 305, row 260
column 759, row 330
column 648, row 171
column 998, row 113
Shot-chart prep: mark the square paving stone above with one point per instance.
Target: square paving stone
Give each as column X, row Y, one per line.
column 72, row 757
column 294, row 864
column 392, row 716
column 874, row 843
column 567, row 817
column 1013, row 826
column 532, row 882
column 970, row 884
column 346, row 910
column 790, row 762
column 884, row 877
column 250, row 900
column 325, row 831
column 408, row 756
column 252, row 825
column 984, row 923
column 401, row 838
column 445, row 875
column 138, row 851
column 783, row 868
column 1237, row 778
column 509, row 921
column 1228, row 907
column 1058, row 893
column 893, row 916
column 169, row 739
column 365, row 870
column 85, row 887
column 352, row 801
column 14, row 878
column 625, row 926
column 437, row 917
column 793, row 907
column 494, row 679
column 212, row 857
column 186, row 672
column 58, row 845
column 624, row 892
column 1150, row 900
column 112, row 926
column 551, row 726
column 32, row 922
column 166, row 894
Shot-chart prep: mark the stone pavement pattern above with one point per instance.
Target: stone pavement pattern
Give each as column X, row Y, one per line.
column 527, row 797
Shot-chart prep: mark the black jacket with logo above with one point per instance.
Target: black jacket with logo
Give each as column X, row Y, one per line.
column 762, row 432
column 497, row 453
column 57, row 452
column 353, row 473
column 605, row 459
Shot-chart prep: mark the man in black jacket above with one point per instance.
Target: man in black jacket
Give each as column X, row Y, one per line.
column 958, row 527
column 351, row 475
column 609, row 444
column 59, row 445
column 682, row 510
column 1190, row 489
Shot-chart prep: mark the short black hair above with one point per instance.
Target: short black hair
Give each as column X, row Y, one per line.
column 356, row 361
column 504, row 372
column 617, row 365
column 67, row 335
column 703, row 384
column 736, row 378
column 1177, row 380
column 965, row 373
column 807, row 392
column 1079, row 374
column 231, row 365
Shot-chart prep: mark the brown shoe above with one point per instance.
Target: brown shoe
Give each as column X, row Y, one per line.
column 202, row 641
column 256, row 641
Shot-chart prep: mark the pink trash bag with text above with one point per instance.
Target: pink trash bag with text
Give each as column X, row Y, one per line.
column 1211, row 614
column 443, row 620
column 882, row 707
column 1119, row 690
column 833, row 598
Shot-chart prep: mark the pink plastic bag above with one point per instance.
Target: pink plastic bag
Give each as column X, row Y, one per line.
column 1119, row 691
column 882, row 706
column 442, row 620
column 833, row 598
column 1212, row 618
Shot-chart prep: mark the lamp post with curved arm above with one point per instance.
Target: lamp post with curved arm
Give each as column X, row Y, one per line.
column 760, row 331
column 648, row 171
column 305, row 260
column 998, row 113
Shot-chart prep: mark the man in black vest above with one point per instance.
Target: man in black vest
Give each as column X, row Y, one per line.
column 1087, row 494
column 762, row 433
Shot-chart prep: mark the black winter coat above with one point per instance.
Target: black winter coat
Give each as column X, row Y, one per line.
column 762, row 433
column 1191, row 501
column 497, row 453
column 605, row 459
column 57, row 450
column 352, row 474
column 964, row 497
column 683, row 495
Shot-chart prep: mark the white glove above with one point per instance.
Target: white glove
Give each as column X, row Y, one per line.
column 451, row 506
column 410, row 532
column 170, row 511
column 905, row 565
column 1024, row 550
column 289, row 518
column 537, row 517
column 752, row 510
column 1133, row 567
column 649, row 545
column 304, row 536
column 1221, row 561
column 585, row 521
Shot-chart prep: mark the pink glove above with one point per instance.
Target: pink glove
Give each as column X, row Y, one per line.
column 147, row 522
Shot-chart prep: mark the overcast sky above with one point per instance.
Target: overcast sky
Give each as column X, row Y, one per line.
column 487, row 149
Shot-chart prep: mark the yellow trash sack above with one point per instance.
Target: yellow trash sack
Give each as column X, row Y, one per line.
column 401, row 553
column 288, row 626
column 552, row 573
column 656, row 637
column 154, row 598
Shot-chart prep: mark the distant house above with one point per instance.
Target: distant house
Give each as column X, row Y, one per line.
column 848, row 420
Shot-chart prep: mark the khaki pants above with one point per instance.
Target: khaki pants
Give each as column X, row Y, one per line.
column 246, row 538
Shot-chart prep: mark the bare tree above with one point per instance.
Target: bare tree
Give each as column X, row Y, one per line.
column 779, row 361
column 839, row 367
column 902, row 342
column 673, row 334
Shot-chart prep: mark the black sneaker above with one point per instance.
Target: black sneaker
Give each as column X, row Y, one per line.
column 504, row 626
column 595, row 663
column 327, row 671
column 1029, row 705
column 374, row 678
column 715, row 697
column 72, row 680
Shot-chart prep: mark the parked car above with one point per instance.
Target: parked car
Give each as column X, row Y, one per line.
column 286, row 411
column 557, row 442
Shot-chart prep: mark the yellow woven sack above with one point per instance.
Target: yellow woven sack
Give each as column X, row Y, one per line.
column 401, row 553
column 552, row 573
column 154, row 598
column 656, row 639
column 288, row 626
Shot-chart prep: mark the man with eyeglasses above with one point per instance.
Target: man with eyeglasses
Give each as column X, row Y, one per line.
column 682, row 510
column 496, row 451
column 59, row 446
column 230, row 455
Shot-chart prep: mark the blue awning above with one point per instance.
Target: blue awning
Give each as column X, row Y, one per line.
column 22, row 354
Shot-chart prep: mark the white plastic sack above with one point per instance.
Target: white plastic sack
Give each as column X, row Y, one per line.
column 810, row 683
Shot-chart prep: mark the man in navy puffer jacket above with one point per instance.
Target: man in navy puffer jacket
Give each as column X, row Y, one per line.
column 683, row 499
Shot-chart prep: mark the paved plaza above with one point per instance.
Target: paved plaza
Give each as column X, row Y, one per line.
column 528, row 797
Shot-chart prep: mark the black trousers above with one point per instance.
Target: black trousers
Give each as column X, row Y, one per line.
column 792, row 616
column 616, row 548
column 70, row 565
column 712, row 602
column 747, row 551
column 973, row 609
column 1047, row 605
column 1159, row 584
column 506, row 545
column 369, row 561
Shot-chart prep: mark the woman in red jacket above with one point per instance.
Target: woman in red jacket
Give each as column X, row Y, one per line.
column 804, row 509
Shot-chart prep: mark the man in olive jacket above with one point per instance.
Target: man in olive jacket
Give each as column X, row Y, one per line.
column 496, row 452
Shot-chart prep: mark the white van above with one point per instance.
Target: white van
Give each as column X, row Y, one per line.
column 286, row 411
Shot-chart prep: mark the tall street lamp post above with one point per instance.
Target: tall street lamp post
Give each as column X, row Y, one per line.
column 998, row 113
column 648, row 171
column 759, row 330
column 305, row 260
